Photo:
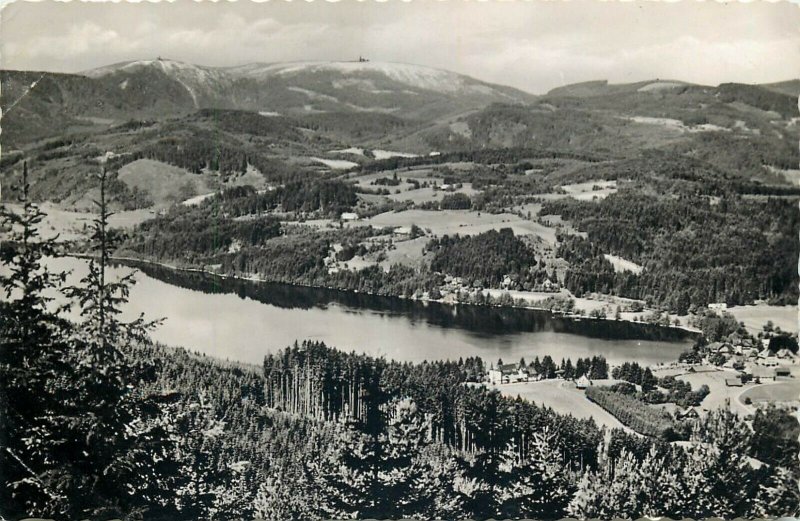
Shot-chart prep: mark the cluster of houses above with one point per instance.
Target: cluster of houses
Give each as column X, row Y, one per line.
column 515, row 373
column 758, row 361
column 508, row 283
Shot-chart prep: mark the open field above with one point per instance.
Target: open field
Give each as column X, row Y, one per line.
column 425, row 195
column 405, row 191
column 165, row 184
column 131, row 218
column 621, row 264
column 462, row 222
column 720, row 395
column 563, row 397
column 335, row 164
column 586, row 191
column 754, row 317
column 782, row 391
column 407, row 253
column 70, row 225
column 583, row 191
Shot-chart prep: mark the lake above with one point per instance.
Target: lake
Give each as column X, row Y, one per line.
column 244, row 320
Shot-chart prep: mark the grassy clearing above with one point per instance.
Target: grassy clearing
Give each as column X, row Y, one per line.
column 336, row 164
column 621, row 264
column 777, row 392
column 462, row 222
column 720, row 395
column 587, row 192
column 563, row 397
column 165, row 184
column 754, row 317
column 70, row 225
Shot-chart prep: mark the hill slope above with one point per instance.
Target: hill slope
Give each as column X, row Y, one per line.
column 159, row 88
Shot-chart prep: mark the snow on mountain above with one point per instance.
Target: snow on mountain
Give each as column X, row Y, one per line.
column 303, row 88
column 200, row 82
column 414, row 76
column 372, row 77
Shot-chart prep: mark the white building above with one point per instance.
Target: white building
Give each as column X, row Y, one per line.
column 509, row 374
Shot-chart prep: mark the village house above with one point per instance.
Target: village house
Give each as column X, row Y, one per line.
column 510, row 373
column 762, row 373
column 783, row 372
column 402, row 231
column 549, row 285
column 722, row 348
column 769, row 361
column 734, row 381
column 690, row 413
column 740, row 341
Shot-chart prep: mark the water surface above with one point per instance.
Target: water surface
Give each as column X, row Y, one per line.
column 242, row 320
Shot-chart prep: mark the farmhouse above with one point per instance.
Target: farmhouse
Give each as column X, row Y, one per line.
column 723, row 348
column 349, row 216
column 402, row 231
column 734, row 381
column 718, row 306
column 583, row 382
column 783, row 372
column 690, row 413
column 510, row 373
column 770, row 361
column 762, row 373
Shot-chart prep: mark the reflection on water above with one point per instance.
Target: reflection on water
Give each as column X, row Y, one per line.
column 245, row 320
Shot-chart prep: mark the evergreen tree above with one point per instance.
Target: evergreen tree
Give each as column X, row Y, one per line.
column 98, row 452
column 31, row 354
column 538, row 485
column 27, row 325
column 100, row 301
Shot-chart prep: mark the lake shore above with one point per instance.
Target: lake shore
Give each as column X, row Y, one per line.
column 680, row 330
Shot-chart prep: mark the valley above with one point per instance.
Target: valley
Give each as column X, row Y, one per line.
column 599, row 266
column 365, row 194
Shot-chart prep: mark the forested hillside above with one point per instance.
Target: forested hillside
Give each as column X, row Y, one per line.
column 694, row 251
column 101, row 423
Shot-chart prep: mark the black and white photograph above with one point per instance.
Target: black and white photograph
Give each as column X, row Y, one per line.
column 427, row 259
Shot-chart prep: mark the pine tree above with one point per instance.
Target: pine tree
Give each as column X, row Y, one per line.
column 779, row 495
column 27, row 325
column 100, row 301
column 659, row 484
column 403, row 437
column 100, row 394
column 31, row 353
column 538, row 485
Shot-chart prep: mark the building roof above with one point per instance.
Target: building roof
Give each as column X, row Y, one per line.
column 762, row 372
column 511, row 368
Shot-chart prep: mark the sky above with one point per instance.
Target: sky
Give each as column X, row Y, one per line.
column 531, row 45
